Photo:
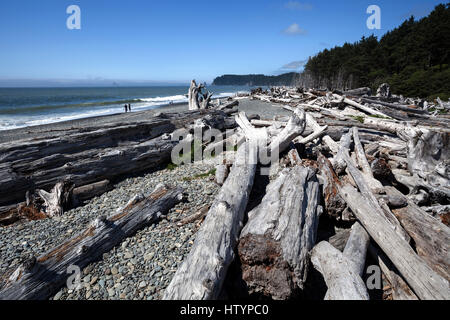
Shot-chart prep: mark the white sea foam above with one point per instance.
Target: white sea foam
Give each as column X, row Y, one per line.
column 20, row 121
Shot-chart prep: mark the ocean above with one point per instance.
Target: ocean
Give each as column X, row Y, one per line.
column 24, row 107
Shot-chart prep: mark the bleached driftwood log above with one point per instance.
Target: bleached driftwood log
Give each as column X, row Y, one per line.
column 374, row 184
column 274, row 244
column 295, row 127
column 356, row 248
column 343, row 282
column 400, row 289
column 201, row 275
column 431, row 236
column 426, row 283
column 41, row 277
column 193, row 95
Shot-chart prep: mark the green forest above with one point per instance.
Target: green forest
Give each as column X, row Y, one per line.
column 255, row 80
column 413, row 59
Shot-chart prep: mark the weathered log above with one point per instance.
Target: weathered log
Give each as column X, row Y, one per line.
column 334, row 204
column 41, row 277
column 201, row 275
column 229, row 105
column 431, row 237
column 200, row 214
column 394, row 106
column 359, row 92
column 426, row 283
column 193, row 95
column 356, row 248
column 400, row 289
column 374, row 184
column 339, row 240
column 90, row 191
column 274, row 244
column 339, row 273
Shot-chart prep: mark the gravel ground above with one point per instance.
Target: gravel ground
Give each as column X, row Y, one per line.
column 140, row 267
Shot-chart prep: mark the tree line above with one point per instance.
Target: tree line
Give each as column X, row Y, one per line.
column 256, row 80
column 413, row 59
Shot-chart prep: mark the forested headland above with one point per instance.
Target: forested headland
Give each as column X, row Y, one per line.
column 413, row 58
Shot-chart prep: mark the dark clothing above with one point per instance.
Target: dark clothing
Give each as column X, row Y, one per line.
column 126, row 108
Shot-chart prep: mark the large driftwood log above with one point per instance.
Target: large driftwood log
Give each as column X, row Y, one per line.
column 356, row 248
column 400, row 289
column 343, row 282
column 40, row 278
column 193, row 95
column 431, row 236
column 274, row 244
column 426, row 283
column 201, row 275
column 374, row 184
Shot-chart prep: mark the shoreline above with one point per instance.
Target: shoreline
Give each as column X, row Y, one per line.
column 51, row 129
column 44, row 130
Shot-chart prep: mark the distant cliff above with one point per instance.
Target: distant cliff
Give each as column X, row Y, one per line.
column 255, row 80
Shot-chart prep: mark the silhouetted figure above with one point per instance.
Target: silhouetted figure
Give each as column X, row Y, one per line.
column 129, row 107
column 126, row 108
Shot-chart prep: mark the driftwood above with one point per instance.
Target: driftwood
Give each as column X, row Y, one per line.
column 426, row 283
column 400, row 289
column 201, row 275
column 274, row 244
column 339, row 274
column 39, row 278
column 431, row 236
column 88, row 156
column 200, row 214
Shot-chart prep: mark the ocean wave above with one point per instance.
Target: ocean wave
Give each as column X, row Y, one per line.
column 12, row 118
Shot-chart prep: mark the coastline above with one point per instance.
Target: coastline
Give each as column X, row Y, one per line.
column 265, row 110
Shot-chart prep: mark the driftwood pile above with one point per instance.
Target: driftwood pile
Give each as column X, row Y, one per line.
column 346, row 157
column 377, row 164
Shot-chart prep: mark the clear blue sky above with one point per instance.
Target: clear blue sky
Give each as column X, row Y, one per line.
column 140, row 40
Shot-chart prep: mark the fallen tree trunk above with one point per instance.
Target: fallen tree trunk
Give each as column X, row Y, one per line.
column 400, row 289
column 39, row 278
column 201, row 275
column 431, row 236
column 426, row 283
column 339, row 274
column 274, row 244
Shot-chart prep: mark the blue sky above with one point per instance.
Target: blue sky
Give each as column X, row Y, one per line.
column 147, row 40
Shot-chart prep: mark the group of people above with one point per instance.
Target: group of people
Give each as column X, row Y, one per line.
column 127, row 108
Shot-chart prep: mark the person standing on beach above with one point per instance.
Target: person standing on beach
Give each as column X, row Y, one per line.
column 126, row 108
column 129, row 107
